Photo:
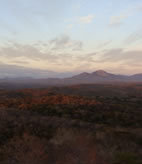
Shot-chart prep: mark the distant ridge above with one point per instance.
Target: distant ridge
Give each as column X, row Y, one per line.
column 96, row 77
column 99, row 76
column 14, row 71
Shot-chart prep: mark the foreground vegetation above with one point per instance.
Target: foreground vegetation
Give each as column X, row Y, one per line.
column 71, row 125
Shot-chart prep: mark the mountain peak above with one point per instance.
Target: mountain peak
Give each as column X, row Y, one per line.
column 100, row 73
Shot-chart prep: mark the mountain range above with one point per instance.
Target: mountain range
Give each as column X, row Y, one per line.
column 14, row 71
column 99, row 76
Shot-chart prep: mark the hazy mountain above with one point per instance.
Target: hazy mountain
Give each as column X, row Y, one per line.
column 95, row 77
column 99, row 76
column 136, row 77
column 40, row 81
column 13, row 71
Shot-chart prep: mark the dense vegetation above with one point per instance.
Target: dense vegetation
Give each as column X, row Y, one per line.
column 84, row 124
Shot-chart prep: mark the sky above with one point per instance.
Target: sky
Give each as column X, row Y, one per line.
column 72, row 35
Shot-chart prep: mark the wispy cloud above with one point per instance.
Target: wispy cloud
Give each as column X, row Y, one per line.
column 58, row 50
column 69, row 26
column 65, row 42
column 122, row 55
column 116, row 21
column 20, row 62
column 134, row 37
column 86, row 19
column 104, row 44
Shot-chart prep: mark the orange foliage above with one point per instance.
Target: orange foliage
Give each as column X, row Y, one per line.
column 25, row 99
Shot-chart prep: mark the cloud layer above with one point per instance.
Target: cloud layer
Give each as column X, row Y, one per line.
column 63, row 53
